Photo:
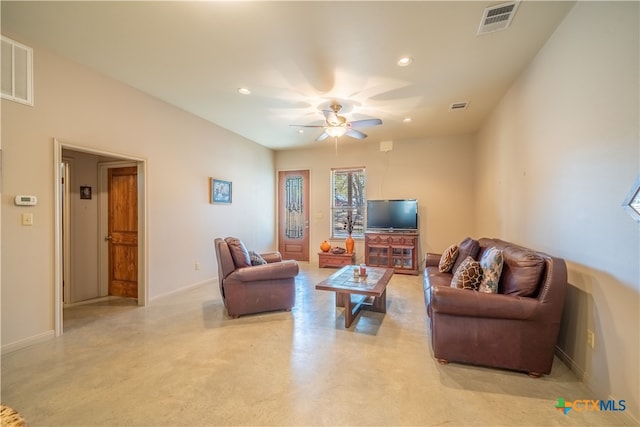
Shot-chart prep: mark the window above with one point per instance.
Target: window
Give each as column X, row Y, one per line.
column 348, row 198
column 17, row 72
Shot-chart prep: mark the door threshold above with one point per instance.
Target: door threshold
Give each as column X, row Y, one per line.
column 95, row 300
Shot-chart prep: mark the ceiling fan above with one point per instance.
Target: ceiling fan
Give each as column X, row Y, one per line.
column 337, row 126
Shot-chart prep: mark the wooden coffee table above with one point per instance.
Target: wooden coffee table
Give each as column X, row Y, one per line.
column 371, row 290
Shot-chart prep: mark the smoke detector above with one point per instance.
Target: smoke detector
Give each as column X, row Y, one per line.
column 497, row 18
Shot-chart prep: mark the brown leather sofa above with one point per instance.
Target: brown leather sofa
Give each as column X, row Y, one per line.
column 247, row 288
column 516, row 328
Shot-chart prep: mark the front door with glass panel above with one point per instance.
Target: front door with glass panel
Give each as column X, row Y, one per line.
column 293, row 214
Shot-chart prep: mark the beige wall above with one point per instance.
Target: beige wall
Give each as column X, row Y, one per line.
column 78, row 106
column 83, row 235
column 558, row 157
column 552, row 166
column 437, row 171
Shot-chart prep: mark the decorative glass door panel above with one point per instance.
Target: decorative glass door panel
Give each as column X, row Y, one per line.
column 294, row 225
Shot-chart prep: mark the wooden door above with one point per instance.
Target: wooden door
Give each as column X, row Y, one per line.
column 123, row 232
column 293, row 214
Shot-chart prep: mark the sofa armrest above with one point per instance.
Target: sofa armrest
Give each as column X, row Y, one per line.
column 271, row 257
column 277, row 270
column 463, row 302
column 432, row 260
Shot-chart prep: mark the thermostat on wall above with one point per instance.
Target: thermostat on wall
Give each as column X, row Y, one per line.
column 26, row 200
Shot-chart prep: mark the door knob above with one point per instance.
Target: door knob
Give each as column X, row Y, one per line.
column 108, row 237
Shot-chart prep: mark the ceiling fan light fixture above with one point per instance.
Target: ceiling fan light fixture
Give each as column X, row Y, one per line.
column 336, row 131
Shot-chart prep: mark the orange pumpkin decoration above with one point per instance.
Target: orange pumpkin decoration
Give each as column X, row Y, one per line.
column 325, row 246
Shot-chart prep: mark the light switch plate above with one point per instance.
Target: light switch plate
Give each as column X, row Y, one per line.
column 27, row 219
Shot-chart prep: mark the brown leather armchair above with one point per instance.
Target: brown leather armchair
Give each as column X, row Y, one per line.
column 516, row 328
column 247, row 288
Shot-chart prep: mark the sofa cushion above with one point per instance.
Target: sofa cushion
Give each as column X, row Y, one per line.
column 491, row 262
column 468, row 247
column 468, row 275
column 435, row 278
column 239, row 252
column 521, row 272
column 256, row 258
column 448, row 258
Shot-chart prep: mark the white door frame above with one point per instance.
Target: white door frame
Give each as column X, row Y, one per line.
column 65, row 172
column 143, row 294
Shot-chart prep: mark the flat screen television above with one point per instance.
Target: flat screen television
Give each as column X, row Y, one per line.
column 392, row 215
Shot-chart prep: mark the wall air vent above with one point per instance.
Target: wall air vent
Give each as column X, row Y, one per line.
column 497, row 18
column 17, row 71
column 458, row 106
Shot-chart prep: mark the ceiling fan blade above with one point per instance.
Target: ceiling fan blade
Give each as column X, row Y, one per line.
column 365, row 123
column 322, row 137
column 355, row 134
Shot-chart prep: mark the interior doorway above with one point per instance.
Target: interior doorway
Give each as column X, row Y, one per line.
column 84, row 263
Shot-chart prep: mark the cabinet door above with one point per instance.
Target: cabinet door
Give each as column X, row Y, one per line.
column 402, row 257
column 378, row 256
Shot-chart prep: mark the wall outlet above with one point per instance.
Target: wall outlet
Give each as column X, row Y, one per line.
column 591, row 338
column 196, row 266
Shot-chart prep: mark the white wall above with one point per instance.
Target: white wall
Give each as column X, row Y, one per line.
column 83, row 108
column 558, row 157
column 438, row 172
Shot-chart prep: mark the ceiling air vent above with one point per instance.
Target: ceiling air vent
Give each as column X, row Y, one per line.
column 498, row 17
column 458, row 106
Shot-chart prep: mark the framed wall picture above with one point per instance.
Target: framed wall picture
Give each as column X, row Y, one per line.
column 220, row 191
column 85, row 192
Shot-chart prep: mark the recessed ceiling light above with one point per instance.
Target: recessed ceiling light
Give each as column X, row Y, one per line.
column 404, row 61
column 407, row 120
column 300, row 130
column 244, row 91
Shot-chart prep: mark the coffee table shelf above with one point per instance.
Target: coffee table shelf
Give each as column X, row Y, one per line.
column 370, row 291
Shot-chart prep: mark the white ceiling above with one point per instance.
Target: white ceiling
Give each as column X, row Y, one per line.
column 296, row 57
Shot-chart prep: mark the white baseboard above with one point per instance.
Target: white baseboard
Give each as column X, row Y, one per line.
column 36, row 339
column 213, row 280
column 26, row 342
column 582, row 376
column 585, row 377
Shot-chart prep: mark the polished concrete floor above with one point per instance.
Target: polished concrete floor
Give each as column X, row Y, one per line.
column 182, row 362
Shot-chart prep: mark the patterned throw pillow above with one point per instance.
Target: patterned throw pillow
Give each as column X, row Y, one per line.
column 491, row 263
column 9, row 417
column 448, row 258
column 256, row 259
column 468, row 275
